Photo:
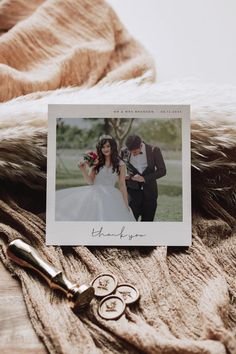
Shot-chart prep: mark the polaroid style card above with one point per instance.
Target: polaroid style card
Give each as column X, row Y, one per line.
column 118, row 175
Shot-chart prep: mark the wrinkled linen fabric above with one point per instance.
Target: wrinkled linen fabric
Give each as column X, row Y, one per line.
column 187, row 302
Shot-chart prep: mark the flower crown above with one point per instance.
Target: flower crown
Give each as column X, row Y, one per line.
column 104, row 136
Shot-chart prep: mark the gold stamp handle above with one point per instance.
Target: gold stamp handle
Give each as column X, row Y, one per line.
column 26, row 256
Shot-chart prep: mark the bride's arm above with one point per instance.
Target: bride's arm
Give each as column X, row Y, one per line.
column 122, row 185
column 88, row 177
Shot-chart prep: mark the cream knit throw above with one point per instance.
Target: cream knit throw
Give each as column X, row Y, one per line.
column 187, row 302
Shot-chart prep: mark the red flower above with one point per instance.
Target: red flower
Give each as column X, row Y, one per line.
column 94, row 155
column 91, row 157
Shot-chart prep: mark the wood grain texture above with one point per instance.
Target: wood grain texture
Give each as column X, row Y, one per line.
column 17, row 333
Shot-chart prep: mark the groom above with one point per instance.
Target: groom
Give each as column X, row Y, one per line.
column 145, row 165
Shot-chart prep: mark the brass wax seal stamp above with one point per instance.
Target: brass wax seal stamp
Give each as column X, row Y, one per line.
column 26, row 256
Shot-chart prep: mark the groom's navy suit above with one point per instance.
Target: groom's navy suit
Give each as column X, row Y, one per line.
column 143, row 195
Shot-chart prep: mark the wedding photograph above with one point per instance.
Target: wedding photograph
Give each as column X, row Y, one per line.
column 118, row 169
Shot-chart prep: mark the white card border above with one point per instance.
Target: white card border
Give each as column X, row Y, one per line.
column 164, row 233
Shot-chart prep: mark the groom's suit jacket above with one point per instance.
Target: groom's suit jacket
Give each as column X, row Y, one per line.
column 155, row 169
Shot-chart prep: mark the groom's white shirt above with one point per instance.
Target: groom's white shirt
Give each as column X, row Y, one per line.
column 140, row 161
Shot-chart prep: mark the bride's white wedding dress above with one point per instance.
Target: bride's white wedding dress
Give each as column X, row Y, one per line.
column 98, row 202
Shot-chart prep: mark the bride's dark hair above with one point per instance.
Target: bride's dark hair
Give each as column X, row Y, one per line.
column 115, row 161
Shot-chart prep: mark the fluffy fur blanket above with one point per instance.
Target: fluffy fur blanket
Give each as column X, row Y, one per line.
column 187, row 302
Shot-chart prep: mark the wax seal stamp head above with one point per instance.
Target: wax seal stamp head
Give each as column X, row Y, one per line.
column 80, row 296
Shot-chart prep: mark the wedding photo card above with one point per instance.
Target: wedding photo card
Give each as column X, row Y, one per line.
column 118, row 175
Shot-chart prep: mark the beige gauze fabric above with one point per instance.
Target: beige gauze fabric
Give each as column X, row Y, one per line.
column 187, row 302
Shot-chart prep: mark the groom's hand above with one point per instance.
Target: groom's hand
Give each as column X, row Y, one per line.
column 138, row 178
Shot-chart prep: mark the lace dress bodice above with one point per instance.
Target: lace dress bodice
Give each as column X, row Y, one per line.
column 106, row 177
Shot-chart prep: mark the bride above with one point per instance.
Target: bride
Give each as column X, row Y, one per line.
column 101, row 200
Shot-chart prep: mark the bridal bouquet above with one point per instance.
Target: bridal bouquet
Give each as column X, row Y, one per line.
column 90, row 157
